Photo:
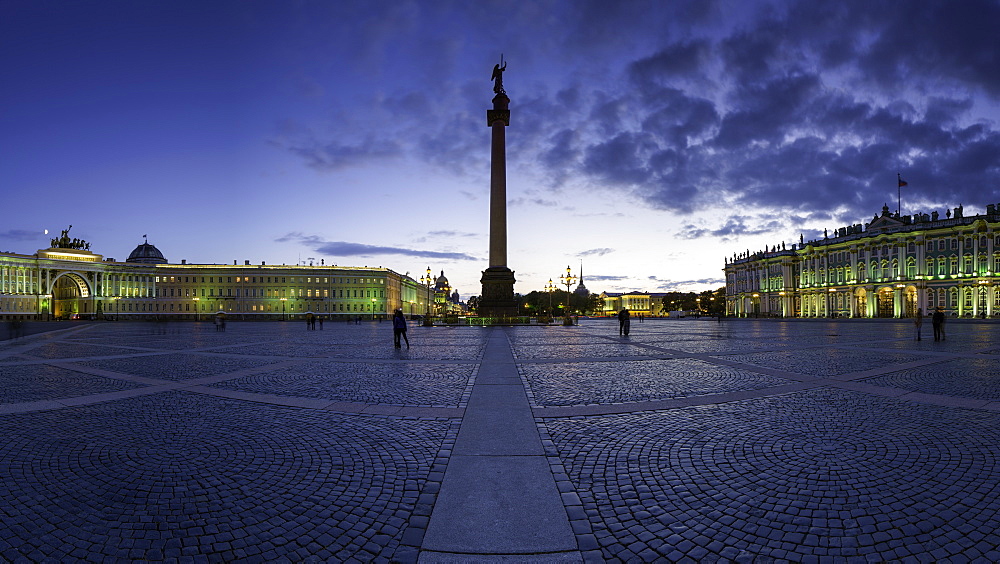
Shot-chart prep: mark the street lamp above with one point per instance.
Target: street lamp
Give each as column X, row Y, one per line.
column 426, row 280
column 550, row 287
column 196, row 300
column 567, row 280
column 283, row 317
column 373, row 309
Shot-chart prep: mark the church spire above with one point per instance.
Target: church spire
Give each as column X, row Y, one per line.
column 581, row 289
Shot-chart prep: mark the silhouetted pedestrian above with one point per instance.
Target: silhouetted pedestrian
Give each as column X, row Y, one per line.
column 623, row 322
column 918, row 321
column 399, row 329
column 321, row 323
column 937, row 321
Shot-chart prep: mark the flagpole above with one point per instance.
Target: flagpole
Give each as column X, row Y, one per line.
column 899, row 186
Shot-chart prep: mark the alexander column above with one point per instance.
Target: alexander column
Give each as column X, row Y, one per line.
column 498, row 280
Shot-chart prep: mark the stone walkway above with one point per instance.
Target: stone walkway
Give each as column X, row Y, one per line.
column 690, row 440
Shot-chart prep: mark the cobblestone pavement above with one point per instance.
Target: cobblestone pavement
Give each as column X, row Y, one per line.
column 690, row 440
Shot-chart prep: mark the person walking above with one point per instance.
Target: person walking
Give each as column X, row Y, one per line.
column 937, row 321
column 623, row 322
column 918, row 321
column 399, row 329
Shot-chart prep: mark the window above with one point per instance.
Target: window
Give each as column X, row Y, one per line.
column 940, row 244
column 954, row 243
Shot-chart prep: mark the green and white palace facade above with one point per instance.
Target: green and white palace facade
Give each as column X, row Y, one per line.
column 68, row 281
column 890, row 267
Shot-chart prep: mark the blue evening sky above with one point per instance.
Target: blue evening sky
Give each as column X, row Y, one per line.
column 648, row 140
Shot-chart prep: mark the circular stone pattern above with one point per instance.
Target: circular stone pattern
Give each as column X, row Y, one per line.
column 34, row 382
column 966, row 377
column 377, row 383
column 177, row 475
column 582, row 383
column 816, row 474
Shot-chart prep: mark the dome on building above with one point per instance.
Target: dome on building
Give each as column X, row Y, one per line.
column 146, row 254
column 441, row 284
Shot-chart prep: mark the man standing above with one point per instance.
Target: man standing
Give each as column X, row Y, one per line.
column 937, row 320
column 918, row 321
column 623, row 322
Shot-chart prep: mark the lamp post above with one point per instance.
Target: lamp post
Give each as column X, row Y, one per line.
column 550, row 287
column 373, row 309
column 196, row 300
column 567, row 280
column 426, row 280
column 283, row 317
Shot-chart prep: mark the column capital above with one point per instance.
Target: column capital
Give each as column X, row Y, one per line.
column 493, row 116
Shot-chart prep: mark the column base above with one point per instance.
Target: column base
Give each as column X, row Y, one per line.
column 498, row 293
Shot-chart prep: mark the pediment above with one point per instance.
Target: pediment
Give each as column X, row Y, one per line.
column 883, row 223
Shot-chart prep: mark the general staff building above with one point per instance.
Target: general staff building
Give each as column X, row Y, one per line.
column 68, row 281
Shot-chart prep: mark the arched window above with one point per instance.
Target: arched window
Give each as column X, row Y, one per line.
column 968, row 263
column 911, row 268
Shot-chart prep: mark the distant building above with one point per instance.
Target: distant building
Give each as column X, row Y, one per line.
column 645, row 303
column 581, row 290
column 446, row 298
column 888, row 267
column 67, row 280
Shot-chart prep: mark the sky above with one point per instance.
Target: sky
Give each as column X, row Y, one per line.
column 648, row 141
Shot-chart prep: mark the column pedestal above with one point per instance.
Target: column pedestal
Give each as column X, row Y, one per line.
column 498, row 293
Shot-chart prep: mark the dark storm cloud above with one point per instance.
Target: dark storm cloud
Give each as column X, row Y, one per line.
column 795, row 106
column 335, row 155
column 733, row 227
column 21, row 235
column 685, row 285
column 347, row 249
column 956, row 40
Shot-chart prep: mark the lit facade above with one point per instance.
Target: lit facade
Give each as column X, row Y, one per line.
column 637, row 303
column 890, row 267
column 74, row 282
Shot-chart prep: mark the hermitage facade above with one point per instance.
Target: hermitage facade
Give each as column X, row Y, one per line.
column 67, row 280
column 890, row 267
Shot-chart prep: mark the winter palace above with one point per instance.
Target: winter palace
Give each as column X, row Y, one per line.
column 67, row 280
column 890, row 267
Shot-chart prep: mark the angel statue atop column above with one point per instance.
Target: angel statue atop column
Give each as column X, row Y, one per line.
column 497, row 77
